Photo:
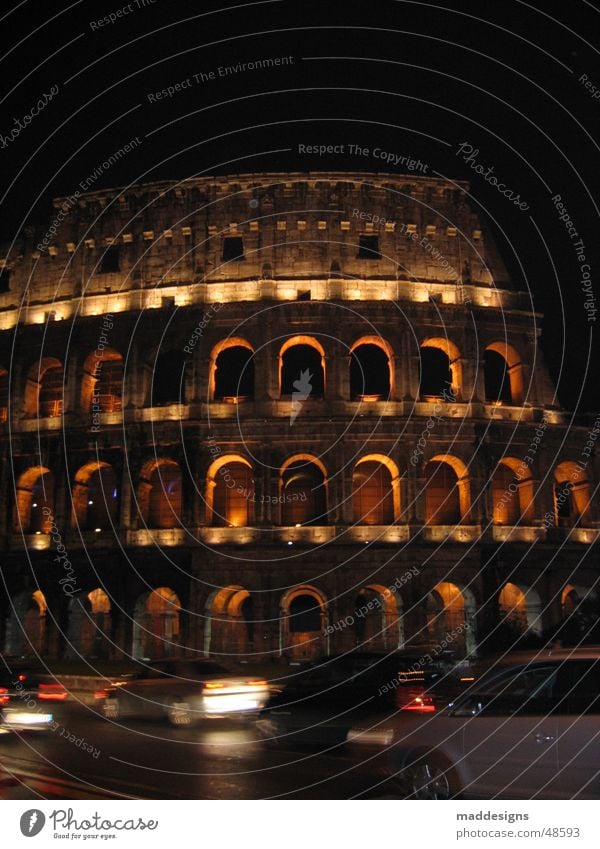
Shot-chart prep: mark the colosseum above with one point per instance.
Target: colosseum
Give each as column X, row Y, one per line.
column 280, row 415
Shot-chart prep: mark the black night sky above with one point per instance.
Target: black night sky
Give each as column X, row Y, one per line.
column 411, row 78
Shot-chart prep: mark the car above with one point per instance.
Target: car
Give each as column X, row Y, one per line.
column 25, row 695
column 183, row 692
column 527, row 728
column 320, row 705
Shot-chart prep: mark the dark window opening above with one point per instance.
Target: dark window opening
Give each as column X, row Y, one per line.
column 442, row 500
column 303, row 296
column 165, row 498
column 497, row 381
column 302, row 372
column 233, row 249
column 304, row 495
column 436, row 377
column 168, row 379
column 372, row 498
column 369, row 372
column 233, row 504
column 368, row 247
column 110, row 261
column 4, row 279
column 305, row 614
column 51, row 392
column 102, row 500
column 234, row 373
column 563, row 498
column 108, row 392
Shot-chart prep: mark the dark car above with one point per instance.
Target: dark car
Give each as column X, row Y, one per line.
column 527, row 728
column 27, row 696
column 322, row 703
column 184, row 691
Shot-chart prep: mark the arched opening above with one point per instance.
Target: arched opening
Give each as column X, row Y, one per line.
column 572, row 493
column 503, row 370
column 34, row 507
column 232, row 371
column 377, row 622
column 3, row 395
column 90, row 625
column 441, row 370
column 230, row 492
column 44, row 389
column 370, row 370
column 168, row 379
column 160, row 494
column 375, row 491
column 95, row 498
column 512, row 493
column 450, row 612
column 447, row 495
column 26, row 627
column 156, row 624
column 520, row 607
column 303, row 620
column 229, row 626
column 102, row 382
column 303, row 492
column 302, row 368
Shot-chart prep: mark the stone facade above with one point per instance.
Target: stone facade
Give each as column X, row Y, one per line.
column 262, row 416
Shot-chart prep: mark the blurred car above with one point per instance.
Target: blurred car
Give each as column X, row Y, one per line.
column 322, row 703
column 25, row 694
column 184, row 691
column 528, row 728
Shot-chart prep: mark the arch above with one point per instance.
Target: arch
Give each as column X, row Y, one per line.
column 572, row 493
column 302, row 367
column 231, row 371
column 230, row 492
column 26, row 632
column 4, row 384
column 303, row 619
column 303, row 491
column 44, row 388
column 168, row 379
column 441, row 369
column 521, row 607
column 156, row 626
column 450, row 613
column 102, row 382
column 504, row 378
column 573, row 598
column 377, row 617
column 90, row 625
column 371, row 369
column 229, row 625
column 159, row 493
column 34, row 506
column 375, row 491
column 94, row 497
column 512, row 492
column 447, row 491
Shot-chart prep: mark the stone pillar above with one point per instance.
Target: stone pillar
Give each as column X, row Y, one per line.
column 401, row 379
column 413, row 363
column 128, row 518
column 204, row 371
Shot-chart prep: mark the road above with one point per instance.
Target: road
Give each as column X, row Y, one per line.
column 87, row 756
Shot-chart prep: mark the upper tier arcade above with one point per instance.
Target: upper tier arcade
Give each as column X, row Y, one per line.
column 323, row 236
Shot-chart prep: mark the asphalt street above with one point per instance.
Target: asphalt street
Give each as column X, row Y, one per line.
column 87, row 756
